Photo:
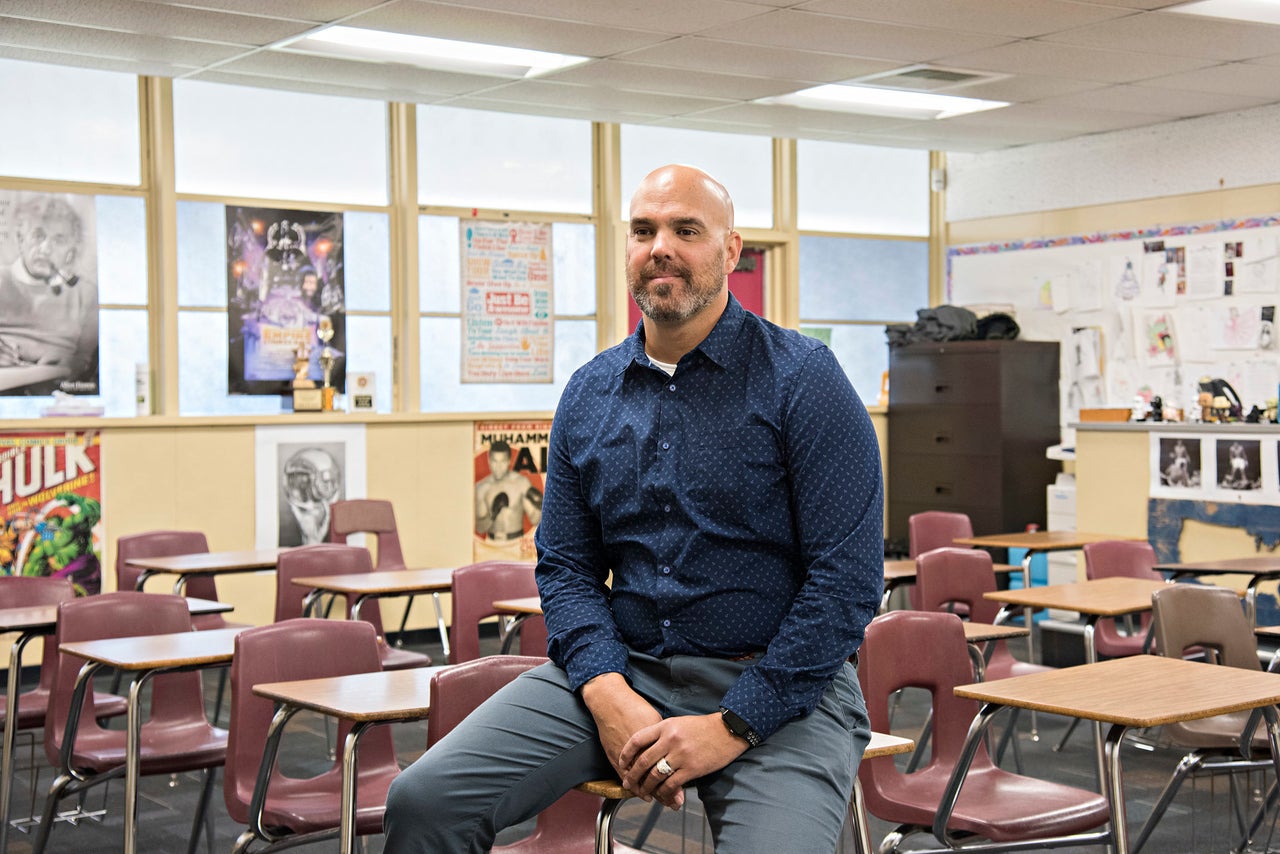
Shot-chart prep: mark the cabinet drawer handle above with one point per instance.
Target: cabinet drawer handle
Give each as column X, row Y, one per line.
column 941, row 389
column 942, row 489
column 941, row 438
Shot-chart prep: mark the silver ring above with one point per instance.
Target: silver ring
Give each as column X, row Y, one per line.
column 664, row 767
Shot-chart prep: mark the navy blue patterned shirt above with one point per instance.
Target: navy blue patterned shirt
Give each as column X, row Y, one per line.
column 737, row 503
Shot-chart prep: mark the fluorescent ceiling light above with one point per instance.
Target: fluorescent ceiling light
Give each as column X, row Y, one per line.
column 1258, row 11
column 437, row 54
column 877, row 101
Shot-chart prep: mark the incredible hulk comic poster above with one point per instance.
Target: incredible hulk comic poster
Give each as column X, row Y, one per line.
column 50, row 507
column 284, row 289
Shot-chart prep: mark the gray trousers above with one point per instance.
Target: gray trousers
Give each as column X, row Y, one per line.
column 534, row 740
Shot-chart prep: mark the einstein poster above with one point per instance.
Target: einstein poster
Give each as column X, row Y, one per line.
column 284, row 290
column 510, row 468
column 50, row 507
column 48, row 293
column 300, row 471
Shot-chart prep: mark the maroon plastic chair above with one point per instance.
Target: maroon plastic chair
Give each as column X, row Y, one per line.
column 475, row 588
column 1115, row 559
column 175, row 736
column 297, row 810
column 375, row 517
column 18, row 591
column 165, row 544
column 934, row 529
column 568, row 826
column 926, row 649
column 334, row 559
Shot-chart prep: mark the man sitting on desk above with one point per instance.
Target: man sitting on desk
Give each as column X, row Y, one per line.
column 727, row 475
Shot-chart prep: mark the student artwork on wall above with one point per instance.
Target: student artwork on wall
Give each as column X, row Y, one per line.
column 299, row 472
column 48, row 293
column 50, row 507
column 284, row 273
column 1215, row 466
column 1170, row 304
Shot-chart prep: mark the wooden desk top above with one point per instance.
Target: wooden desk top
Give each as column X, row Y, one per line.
column 382, row 583
column 1259, row 565
column 905, row 569
column 203, row 562
column 40, row 617
column 151, row 651
column 1267, row 631
column 980, row 632
column 1136, row 691
column 1102, row 597
column 526, row 605
column 1040, row 541
column 387, row 695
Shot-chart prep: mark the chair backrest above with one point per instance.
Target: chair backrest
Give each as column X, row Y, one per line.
column 949, row 576
column 23, row 591
column 1202, row 615
column 475, row 587
column 1120, row 559
column 935, row 529
column 285, row 651
column 368, row 516
column 457, row 691
column 175, row 697
column 916, row 649
column 320, row 559
column 164, row 544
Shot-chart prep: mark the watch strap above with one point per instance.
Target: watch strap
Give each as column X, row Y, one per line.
column 737, row 726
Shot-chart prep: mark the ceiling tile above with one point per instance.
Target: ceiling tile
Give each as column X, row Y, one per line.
column 1157, row 101
column 1177, row 35
column 977, row 138
column 1076, row 63
column 788, row 120
column 555, row 94
column 807, row 31
column 149, row 19
column 648, row 78
column 442, row 20
column 703, row 54
column 673, row 17
column 1075, row 119
column 563, row 112
column 317, row 11
column 1237, row 78
column 1024, row 87
column 126, row 66
column 108, row 44
column 1018, row 18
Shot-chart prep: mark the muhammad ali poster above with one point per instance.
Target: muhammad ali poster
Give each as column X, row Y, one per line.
column 510, row 467
column 48, row 293
column 284, row 273
column 300, row 471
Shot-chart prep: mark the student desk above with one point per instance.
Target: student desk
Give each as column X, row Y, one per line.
column 365, row 699
column 385, row 582
column 31, row 623
column 1259, row 569
column 145, row 657
column 903, row 571
column 204, row 563
column 1137, row 691
column 514, row 612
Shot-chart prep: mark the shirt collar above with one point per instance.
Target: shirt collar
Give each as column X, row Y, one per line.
column 718, row 346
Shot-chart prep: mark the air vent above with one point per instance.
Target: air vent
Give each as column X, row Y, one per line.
column 927, row 78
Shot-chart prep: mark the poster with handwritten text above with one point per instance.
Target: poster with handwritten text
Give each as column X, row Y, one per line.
column 507, row 329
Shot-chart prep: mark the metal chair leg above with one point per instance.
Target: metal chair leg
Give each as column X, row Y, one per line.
column 202, row 812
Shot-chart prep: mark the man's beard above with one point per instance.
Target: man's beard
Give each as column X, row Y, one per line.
column 673, row 302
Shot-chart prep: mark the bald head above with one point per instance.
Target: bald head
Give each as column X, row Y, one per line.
column 676, row 181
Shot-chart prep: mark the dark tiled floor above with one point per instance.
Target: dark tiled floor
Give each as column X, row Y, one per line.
column 1199, row 821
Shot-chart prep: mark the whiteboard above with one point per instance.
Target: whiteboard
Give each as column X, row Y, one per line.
column 1139, row 313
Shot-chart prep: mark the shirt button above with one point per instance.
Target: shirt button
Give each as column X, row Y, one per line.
column 666, row 446
column 666, row 570
column 666, row 623
column 666, row 508
column 671, row 387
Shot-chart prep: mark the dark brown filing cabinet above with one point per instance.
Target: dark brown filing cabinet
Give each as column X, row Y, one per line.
column 969, row 422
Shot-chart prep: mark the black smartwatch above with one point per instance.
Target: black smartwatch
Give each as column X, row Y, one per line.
column 739, row 727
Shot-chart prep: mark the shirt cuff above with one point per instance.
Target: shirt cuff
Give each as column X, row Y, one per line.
column 590, row 661
column 752, row 699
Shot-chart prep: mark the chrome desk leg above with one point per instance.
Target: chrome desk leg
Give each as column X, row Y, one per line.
column 11, row 733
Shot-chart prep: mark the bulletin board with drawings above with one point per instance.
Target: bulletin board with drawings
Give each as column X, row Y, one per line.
column 1140, row 313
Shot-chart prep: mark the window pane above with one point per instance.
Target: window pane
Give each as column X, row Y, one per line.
column 202, row 370
column 366, row 248
column 122, row 346
column 369, row 345
column 82, row 125
column 439, row 259
column 863, row 352
column 122, row 250
column 848, row 278
column 272, row 144
column 479, row 159
column 744, row 164
column 442, row 390
column 866, row 189
column 574, row 247
column 202, row 254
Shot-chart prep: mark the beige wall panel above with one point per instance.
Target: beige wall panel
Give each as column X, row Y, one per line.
column 1111, row 483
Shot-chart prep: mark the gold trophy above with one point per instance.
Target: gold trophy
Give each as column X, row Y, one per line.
column 306, row 397
column 324, row 331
